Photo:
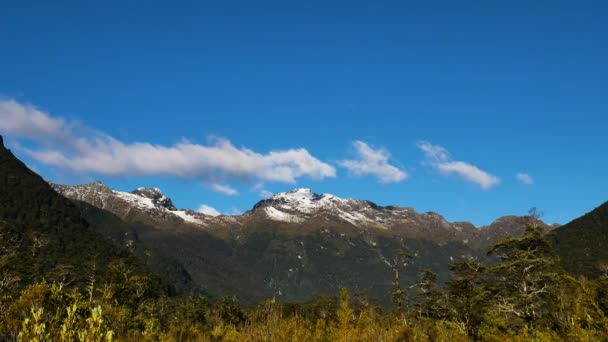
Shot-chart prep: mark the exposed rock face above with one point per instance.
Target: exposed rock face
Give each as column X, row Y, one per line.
column 157, row 197
column 143, row 203
column 300, row 207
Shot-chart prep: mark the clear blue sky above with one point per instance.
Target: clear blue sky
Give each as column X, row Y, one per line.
column 506, row 87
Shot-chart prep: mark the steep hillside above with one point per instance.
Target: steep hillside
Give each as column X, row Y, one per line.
column 42, row 234
column 582, row 244
column 124, row 234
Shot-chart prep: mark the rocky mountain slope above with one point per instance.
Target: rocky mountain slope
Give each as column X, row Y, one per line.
column 298, row 244
column 300, row 208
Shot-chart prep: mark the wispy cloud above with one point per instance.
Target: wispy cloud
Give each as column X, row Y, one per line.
column 439, row 158
column 207, row 210
column 259, row 188
column 223, row 189
column 373, row 162
column 27, row 121
column 73, row 147
column 524, row 178
column 234, row 211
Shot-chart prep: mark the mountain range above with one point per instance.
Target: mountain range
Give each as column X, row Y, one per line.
column 298, row 244
column 297, row 211
column 292, row 246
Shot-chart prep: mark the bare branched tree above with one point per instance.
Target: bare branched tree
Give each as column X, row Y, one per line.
column 38, row 241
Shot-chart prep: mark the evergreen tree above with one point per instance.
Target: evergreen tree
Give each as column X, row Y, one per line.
column 430, row 300
column 525, row 278
column 467, row 296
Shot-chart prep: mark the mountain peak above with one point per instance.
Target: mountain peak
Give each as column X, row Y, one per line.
column 148, row 192
column 299, row 194
column 156, row 195
column 97, row 185
column 301, row 190
column 92, row 187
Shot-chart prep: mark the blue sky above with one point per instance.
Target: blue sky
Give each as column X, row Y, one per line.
column 433, row 105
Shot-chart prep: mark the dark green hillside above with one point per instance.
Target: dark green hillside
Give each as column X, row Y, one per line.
column 42, row 234
column 272, row 264
column 582, row 244
column 124, row 234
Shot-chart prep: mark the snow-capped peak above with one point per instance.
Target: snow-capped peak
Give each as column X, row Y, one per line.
column 301, row 200
column 301, row 204
column 156, row 196
column 300, row 194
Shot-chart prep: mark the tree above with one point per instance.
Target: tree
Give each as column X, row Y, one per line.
column 402, row 258
column 524, row 279
column 430, row 298
column 467, row 296
column 345, row 315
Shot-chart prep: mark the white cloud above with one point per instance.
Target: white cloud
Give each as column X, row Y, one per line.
column 234, row 211
column 259, row 188
column 524, row 178
column 207, row 210
column 470, row 173
column 434, row 152
column 373, row 162
column 223, row 189
column 73, row 147
column 265, row 193
column 29, row 122
column 439, row 158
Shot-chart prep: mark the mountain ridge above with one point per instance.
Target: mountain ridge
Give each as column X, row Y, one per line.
column 296, row 207
column 43, row 235
column 582, row 243
column 335, row 243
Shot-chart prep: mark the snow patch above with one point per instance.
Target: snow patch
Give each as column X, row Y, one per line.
column 278, row 215
column 187, row 217
column 138, row 201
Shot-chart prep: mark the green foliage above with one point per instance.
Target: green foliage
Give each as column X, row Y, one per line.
column 34, row 329
column 344, row 315
column 523, row 283
column 430, row 300
column 582, row 245
column 42, row 234
column 94, row 329
column 468, row 299
column 125, row 234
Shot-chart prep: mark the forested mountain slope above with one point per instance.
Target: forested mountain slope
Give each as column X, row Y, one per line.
column 582, row 244
column 43, row 234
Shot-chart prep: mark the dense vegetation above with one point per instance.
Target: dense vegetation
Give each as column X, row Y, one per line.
column 42, row 233
column 582, row 245
column 125, row 234
column 525, row 296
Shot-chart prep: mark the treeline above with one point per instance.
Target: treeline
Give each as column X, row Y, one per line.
column 523, row 296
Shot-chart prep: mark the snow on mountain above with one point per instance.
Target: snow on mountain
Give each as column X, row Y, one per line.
column 302, row 200
column 295, row 207
column 299, row 205
column 189, row 216
column 150, row 201
column 282, row 216
column 137, row 201
column 157, row 197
